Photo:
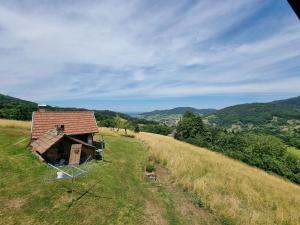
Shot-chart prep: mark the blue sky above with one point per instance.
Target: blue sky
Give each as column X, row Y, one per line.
column 144, row 55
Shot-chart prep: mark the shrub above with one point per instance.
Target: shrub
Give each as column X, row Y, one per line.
column 150, row 168
column 189, row 126
column 136, row 129
column 157, row 129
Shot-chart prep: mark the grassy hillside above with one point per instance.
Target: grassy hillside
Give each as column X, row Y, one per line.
column 237, row 193
column 199, row 187
column 114, row 193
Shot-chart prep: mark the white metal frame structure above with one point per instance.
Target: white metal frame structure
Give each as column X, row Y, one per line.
column 69, row 172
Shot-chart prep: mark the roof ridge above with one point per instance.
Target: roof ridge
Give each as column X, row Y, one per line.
column 87, row 111
column 75, row 122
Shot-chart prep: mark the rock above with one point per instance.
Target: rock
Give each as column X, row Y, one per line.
column 150, row 176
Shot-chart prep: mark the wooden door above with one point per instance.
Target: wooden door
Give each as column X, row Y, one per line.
column 75, row 154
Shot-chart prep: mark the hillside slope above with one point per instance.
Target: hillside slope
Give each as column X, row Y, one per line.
column 14, row 108
column 238, row 193
column 291, row 102
column 259, row 113
column 114, row 193
column 279, row 118
column 225, row 191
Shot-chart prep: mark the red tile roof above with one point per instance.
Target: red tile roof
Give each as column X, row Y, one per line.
column 45, row 141
column 82, row 122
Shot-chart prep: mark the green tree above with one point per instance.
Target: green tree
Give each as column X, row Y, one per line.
column 157, row 129
column 190, row 126
column 136, row 128
column 119, row 122
column 122, row 124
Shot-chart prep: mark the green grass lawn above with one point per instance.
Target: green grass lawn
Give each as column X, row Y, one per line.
column 117, row 192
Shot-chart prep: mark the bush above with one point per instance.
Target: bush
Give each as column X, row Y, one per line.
column 189, row 126
column 136, row 129
column 150, row 168
column 157, row 129
column 107, row 123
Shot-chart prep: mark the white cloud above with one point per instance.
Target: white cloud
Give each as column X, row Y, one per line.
column 143, row 48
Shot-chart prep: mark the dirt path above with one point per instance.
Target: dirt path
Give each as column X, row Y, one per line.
column 175, row 205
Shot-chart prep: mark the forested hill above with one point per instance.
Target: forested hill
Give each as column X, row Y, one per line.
column 291, row 102
column 258, row 113
column 14, row 108
column 179, row 110
column 18, row 109
column 278, row 118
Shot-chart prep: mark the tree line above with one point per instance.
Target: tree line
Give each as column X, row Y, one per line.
column 136, row 125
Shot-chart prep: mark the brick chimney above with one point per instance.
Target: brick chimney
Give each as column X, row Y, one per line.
column 42, row 108
column 60, row 129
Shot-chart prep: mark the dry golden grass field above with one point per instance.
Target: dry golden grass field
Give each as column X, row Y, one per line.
column 238, row 193
column 15, row 123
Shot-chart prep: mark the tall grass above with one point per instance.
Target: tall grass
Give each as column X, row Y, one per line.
column 237, row 193
column 15, row 123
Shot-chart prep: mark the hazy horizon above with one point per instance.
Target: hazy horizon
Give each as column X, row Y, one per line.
column 89, row 105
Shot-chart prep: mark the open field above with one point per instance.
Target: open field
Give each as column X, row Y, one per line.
column 114, row 193
column 15, row 123
column 237, row 193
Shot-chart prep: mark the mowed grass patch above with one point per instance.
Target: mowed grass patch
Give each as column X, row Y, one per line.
column 235, row 192
column 115, row 196
column 114, row 193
